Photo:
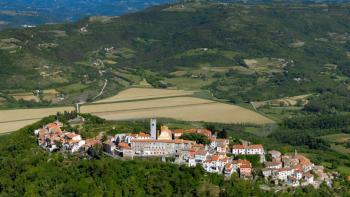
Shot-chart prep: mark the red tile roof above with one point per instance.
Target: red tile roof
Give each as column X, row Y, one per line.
column 52, row 125
column 238, row 146
column 123, row 145
column 215, row 158
column 255, row 146
column 179, row 131
column 142, row 134
column 245, row 166
column 72, row 141
column 201, row 152
column 244, row 162
column 283, row 169
column 204, row 132
column 197, row 145
column 71, row 135
column 308, row 175
column 177, row 141
column 302, row 159
column 92, row 142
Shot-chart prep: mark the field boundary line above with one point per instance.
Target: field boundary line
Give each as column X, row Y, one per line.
column 145, row 99
column 19, row 120
column 150, row 108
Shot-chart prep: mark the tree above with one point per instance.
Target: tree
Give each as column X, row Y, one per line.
column 95, row 151
column 58, row 144
column 222, row 133
column 199, row 138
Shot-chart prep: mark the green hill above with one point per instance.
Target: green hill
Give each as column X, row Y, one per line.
column 28, row 170
column 239, row 52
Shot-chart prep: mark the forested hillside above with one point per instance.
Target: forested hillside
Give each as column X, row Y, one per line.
column 28, row 170
column 239, row 52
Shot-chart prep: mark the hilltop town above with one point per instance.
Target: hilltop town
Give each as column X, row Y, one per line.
column 216, row 155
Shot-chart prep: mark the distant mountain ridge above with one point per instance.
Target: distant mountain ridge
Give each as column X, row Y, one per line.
column 15, row 13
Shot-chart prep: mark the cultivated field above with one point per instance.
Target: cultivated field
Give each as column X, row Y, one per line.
column 182, row 108
column 283, row 102
column 338, row 142
column 11, row 120
column 339, row 138
column 177, row 105
column 27, row 96
column 266, row 65
column 144, row 93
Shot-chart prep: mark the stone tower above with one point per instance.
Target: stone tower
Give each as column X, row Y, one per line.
column 153, row 128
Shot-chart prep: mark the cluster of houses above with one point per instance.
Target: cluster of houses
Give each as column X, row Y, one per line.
column 294, row 170
column 216, row 157
column 52, row 138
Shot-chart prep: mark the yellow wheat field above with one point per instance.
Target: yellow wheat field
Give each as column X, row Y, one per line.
column 182, row 108
column 11, row 120
column 144, row 93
